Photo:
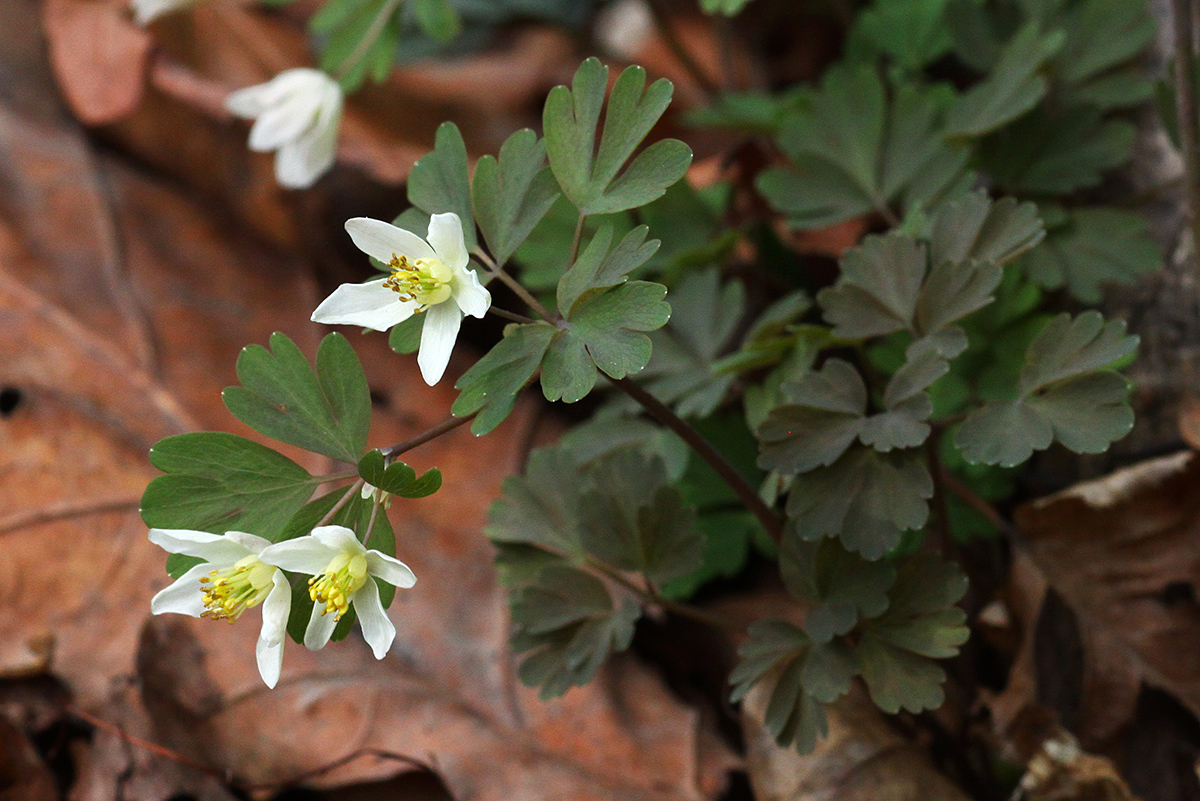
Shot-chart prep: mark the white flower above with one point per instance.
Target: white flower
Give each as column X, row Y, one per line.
column 427, row 277
column 144, row 11
column 343, row 574
column 295, row 113
column 230, row 580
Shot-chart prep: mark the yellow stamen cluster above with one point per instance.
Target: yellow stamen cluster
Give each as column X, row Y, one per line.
column 425, row 282
column 229, row 592
column 343, row 577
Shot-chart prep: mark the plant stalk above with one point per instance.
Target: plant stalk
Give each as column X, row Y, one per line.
column 447, row 425
column 704, row 449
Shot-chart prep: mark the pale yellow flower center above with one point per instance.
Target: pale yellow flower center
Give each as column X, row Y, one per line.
column 229, row 592
column 425, row 282
column 343, row 577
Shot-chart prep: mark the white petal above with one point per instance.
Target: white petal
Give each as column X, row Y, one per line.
column 301, row 555
column 437, row 340
column 282, row 123
column 320, row 628
column 219, row 550
column 446, row 238
column 251, row 542
column 269, row 649
column 183, row 596
column 377, row 630
column 270, row 660
column 253, row 100
column 382, row 241
column 146, row 10
column 339, row 539
column 390, row 569
column 303, row 160
column 470, row 295
column 370, row 305
column 276, row 608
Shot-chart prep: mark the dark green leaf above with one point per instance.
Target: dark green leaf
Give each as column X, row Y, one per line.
column 438, row 19
column 600, row 267
column 704, row 318
column 405, row 338
column 512, row 195
column 775, row 652
column 593, row 180
column 866, row 498
column 840, row 584
column 878, row 288
column 540, row 507
column 440, row 183
column 610, row 325
column 398, row 478
column 490, row 387
column 568, row 623
column 328, row 412
column 975, row 227
column 824, row 416
column 911, row 32
column 632, row 521
column 1013, row 87
column 221, row 482
column 1092, row 247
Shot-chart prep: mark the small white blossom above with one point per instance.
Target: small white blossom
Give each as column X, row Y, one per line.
column 296, row 113
column 343, row 575
column 145, row 11
column 231, row 579
column 429, row 277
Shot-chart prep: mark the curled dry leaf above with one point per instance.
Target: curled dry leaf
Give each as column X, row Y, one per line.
column 1124, row 554
column 99, row 56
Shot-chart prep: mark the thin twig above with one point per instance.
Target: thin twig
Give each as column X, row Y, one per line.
column 576, row 239
column 504, row 314
column 704, row 449
column 1185, row 107
column 368, row 41
column 968, row 496
column 525, row 295
column 681, row 609
column 65, row 511
column 353, row 488
column 681, row 53
column 449, row 424
column 939, row 491
column 375, row 504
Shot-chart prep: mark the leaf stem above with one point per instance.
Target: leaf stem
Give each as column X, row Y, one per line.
column 704, row 449
column 576, row 239
column 510, row 316
column 1185, row 107
column 447, row 425
column 525, row 295
column 940, row 509
column 337, row 507
column 368, row 41
column 681, row 53
column 651, row 597
column 375, row 504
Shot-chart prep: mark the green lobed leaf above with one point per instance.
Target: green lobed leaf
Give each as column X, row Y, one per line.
column 1011, row 89
column 1092, row 247
column 775, row 652
column 866, row 498
column 855, row 151
column 878, row 288
column 438, row 19
column 540, row 507
column 1099, row 62
column 904, row 423
column 439, row 182
column 611, row 326
column 602, row 266
column 398, row 478
column 327, row 411
column 593, row 179
column 220, row 482
column 490, row 387
column 825, row 414
column 405, row 338
column 1058, row 152
column 1065, row 392
column 704, row 319
column 921, row 623
column 346, row 25
column 975, row 227
column 512, row 194
column 632, row 521
column 911, row 32
column 840, row 585
column 568, row 624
